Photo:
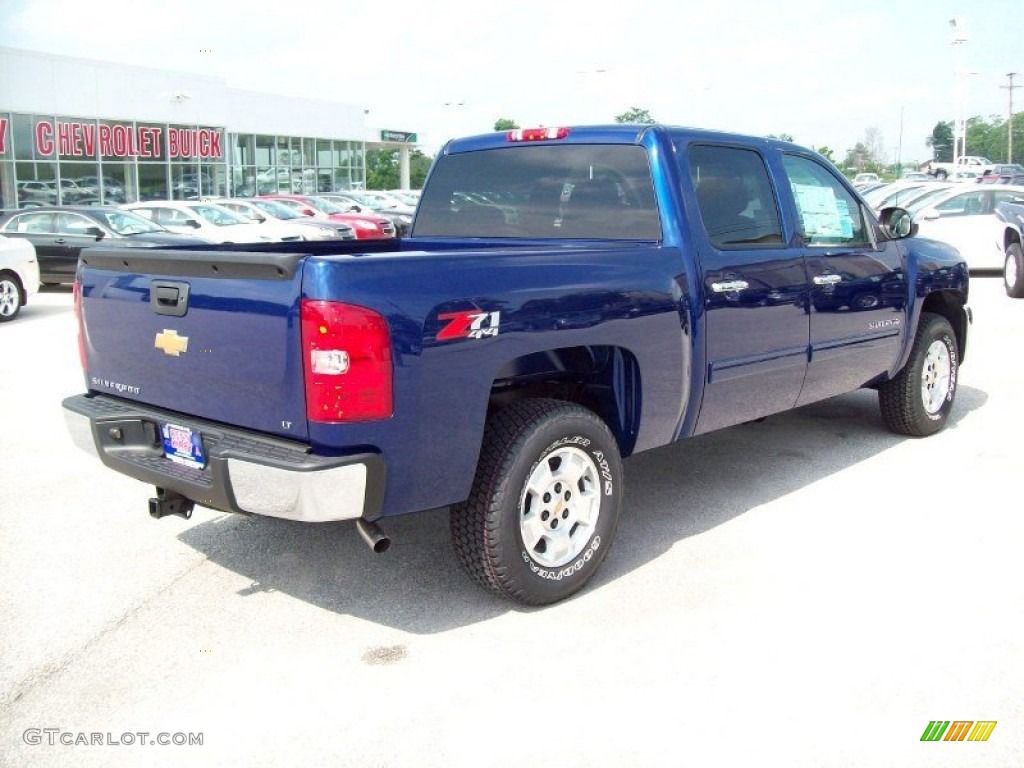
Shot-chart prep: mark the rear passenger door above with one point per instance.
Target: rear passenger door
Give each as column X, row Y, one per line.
column 754, row 285
column 858, row 285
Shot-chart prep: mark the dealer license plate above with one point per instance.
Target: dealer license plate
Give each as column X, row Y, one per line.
column 183, row 445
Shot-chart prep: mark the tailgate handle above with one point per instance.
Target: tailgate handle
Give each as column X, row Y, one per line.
column 168, row 298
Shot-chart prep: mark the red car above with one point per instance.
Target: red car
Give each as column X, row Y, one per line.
column 366, row 226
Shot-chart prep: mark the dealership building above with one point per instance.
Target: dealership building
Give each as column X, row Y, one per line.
column 83, row 131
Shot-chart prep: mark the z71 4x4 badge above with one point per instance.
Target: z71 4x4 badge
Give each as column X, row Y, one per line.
column 468, row 325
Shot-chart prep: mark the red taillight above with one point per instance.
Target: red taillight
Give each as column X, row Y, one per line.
column 77, row 291
column 537, row 134
column 346, row 361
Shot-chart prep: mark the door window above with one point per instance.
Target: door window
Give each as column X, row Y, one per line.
column 734, row 194
column 73, row 224
column 967, row 204
column 829, row 214
column 33, row 223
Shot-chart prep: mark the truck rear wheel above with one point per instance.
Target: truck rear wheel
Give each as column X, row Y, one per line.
column 1013, row 271
column 545, row 503
column 917, row 401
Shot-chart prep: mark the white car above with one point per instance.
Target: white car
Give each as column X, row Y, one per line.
column 964, row 217
column 207, row 220
column 277, row 217
column 19, row 275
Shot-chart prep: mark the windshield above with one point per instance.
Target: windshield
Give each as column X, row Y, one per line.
column 126, row 223
column 221, row 217
column 324, row 206
column 277, row 210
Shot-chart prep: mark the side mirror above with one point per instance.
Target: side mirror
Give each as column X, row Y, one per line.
column 192, row 223
column 308, row 212
column 96, row 232
column 897, row 223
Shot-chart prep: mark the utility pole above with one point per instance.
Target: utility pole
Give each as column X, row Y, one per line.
column 1009, row 130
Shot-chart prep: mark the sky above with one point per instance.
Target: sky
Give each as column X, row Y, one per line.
column 821, row 71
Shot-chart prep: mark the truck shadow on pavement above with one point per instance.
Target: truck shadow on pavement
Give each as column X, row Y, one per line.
column 672, row 493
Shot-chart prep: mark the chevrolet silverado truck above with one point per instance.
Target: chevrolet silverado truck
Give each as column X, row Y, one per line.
column 567, row 297
column 1010, row 234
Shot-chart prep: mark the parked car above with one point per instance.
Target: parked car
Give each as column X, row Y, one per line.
column 964, row 217
column 35, row 193
column 367, row 227
column 219, row 225
column 407, row 196
column 895, row 193
column 377, row 203
column 59, row 234
column 866, row 178
column 1003, row 174
column 113, row 191
column 915, row 176
column 271, row 212
column 19, row 276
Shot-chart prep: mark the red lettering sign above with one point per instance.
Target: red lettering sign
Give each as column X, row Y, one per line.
column 105, row 148
column 89, row 137
column 3, row 135
column 215, row 150
column 44, row 138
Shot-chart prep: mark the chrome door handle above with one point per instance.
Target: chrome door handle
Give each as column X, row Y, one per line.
column 729, row 286
column 827, row 279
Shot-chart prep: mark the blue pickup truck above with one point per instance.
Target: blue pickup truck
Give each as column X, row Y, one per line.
column 567, row 297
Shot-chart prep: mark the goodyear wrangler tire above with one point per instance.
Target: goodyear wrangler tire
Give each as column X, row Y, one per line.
column 545, row 503
column 917, row 401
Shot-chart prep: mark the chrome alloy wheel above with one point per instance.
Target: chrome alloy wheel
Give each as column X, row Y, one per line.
column 10, row 299
column 936, row 376
column 560, row 506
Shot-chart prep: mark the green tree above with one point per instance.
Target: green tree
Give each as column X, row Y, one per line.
column 419, row 166
column 780, row 136
column 505, row 124
column 941, row 142
column 383, row 169
column 827, row 153
column 635, row 115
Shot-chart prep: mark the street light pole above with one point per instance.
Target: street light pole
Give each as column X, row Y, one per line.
column 1009, row 123
column 957, row 39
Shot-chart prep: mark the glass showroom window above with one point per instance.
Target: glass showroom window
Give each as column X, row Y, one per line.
column 37, row 184
column 117, row 183
column 79, row 184
column 153, row 181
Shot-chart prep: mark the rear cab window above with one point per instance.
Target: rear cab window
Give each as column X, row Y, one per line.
column 584, row 191
column 735, row 197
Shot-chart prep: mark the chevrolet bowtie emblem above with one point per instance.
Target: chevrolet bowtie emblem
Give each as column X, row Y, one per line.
column 171, row 343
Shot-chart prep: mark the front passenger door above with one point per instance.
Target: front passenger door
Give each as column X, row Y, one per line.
column 859, row 290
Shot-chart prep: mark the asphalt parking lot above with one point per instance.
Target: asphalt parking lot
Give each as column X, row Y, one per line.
column 806, row 591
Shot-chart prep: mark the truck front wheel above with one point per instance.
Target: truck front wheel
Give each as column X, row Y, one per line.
column 1013, row 271
column 545, row 503
column 917, row 401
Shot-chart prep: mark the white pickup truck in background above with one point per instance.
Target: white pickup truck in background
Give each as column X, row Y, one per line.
column 973, row 163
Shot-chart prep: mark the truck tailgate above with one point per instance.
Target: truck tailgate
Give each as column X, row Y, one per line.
column 210, row 334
